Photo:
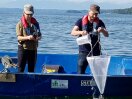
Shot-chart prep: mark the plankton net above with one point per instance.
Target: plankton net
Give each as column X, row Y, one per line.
column 99, row 68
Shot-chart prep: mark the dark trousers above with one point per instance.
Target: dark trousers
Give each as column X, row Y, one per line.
column 82, row 62
column 26, row 56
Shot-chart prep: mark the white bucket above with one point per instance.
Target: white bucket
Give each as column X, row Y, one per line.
column 84, row 40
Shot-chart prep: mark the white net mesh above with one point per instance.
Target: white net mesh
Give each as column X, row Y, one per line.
column 99, row 68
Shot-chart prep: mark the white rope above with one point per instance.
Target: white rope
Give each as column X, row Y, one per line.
column 95, row 45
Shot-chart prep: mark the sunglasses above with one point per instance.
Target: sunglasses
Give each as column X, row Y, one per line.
column 29, row 14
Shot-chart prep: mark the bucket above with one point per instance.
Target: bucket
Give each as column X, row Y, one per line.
column 84, row 40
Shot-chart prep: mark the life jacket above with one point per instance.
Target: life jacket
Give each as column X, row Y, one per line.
column 85, row 22
column 26, row 26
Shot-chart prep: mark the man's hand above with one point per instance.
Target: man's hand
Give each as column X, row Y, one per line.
column 30, row 37
column 103, row 30
column 84, row 33
column 100, row 29
column 38, row 38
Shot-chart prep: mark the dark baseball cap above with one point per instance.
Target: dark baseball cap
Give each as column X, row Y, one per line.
column 95, row 8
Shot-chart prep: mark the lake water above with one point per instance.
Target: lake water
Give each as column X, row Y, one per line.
column 56, row 26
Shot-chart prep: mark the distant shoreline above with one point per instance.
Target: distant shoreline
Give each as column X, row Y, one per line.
column 119, row 11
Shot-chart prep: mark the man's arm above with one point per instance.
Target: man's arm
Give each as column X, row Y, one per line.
column 76, row 32
column 19, row 34
column 104, row 31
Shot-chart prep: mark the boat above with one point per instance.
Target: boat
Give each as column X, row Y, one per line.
column 62, row 78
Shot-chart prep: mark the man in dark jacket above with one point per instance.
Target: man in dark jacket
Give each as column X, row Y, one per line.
column 92, row 25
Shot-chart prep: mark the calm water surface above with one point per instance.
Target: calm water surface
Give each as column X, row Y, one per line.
column 56, row 26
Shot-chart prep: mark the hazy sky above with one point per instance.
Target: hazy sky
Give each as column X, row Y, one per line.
column 67, row 4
